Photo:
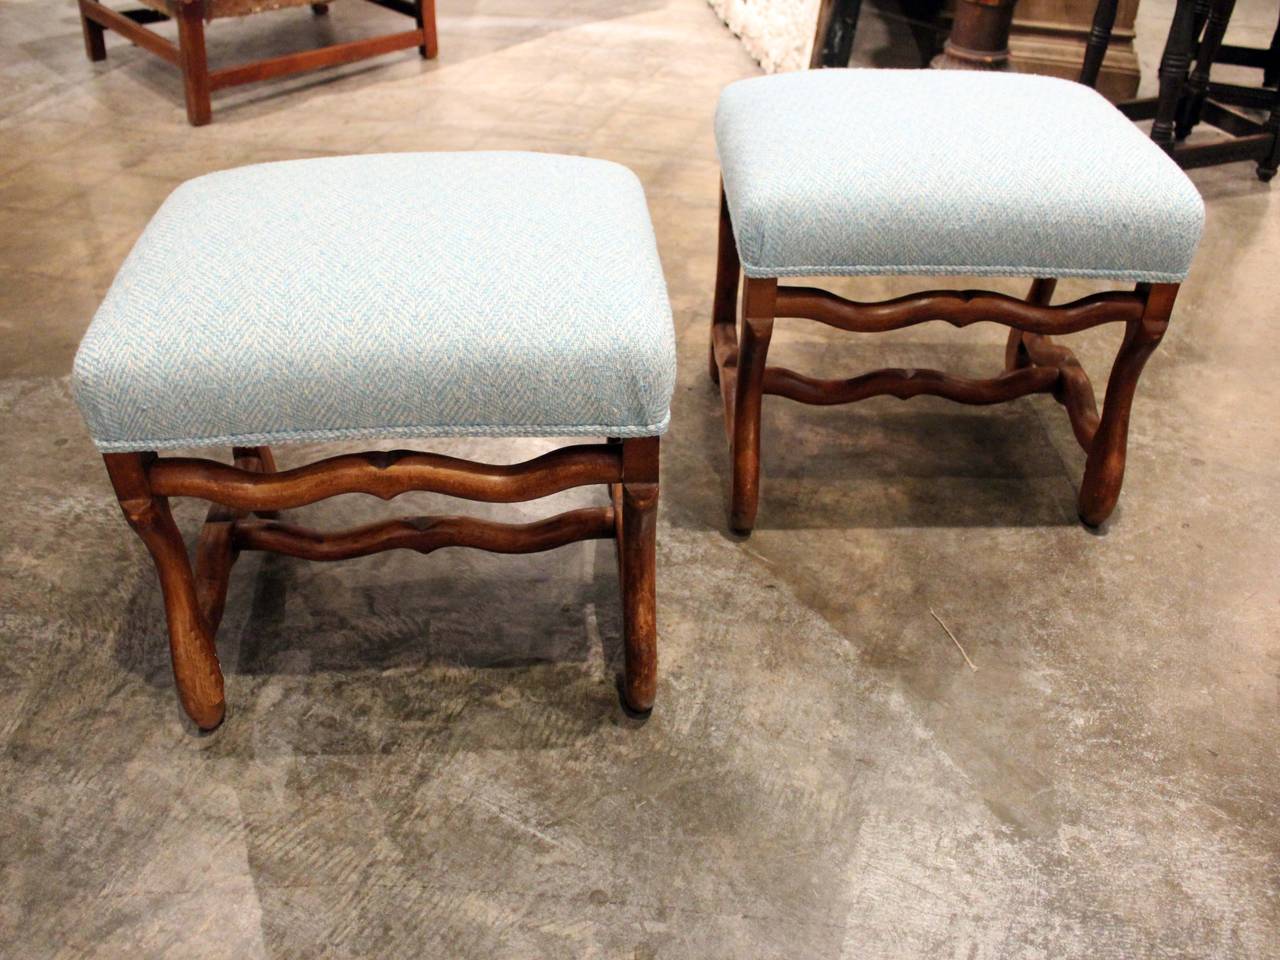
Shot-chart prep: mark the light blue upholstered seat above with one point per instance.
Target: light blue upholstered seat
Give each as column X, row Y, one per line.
column 399, row 295
column 854, row 172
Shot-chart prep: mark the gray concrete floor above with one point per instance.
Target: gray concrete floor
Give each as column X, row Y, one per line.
column 425, row 758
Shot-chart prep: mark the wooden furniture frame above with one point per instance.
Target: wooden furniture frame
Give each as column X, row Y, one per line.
column 246, row 496
column 188, row 55
column 1034, row 363
column 1187, row 96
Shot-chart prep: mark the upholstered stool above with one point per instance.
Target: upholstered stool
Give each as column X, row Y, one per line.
column 875, row 172
column 401, row 295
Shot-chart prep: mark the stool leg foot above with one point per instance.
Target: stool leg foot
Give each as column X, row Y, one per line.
column 195, row 659
column 637, row 554
column 758, row 304
column 1104, row 469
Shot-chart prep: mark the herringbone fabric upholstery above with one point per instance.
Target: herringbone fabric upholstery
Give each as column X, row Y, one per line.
column 855, row 172
column 400, row 295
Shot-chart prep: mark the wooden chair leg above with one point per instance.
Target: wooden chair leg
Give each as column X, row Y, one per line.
column 425, row 14
column 320, row 9
column 1173, row 72
column 1271, row 162
column 1015, row 353
column 95, row 46
column 637, row 550
column 728, row 275
column 1095, row 51
column 759, row 298
column 194, row 63
column 195, row 659
column 1104, row 469
column 1218, row 15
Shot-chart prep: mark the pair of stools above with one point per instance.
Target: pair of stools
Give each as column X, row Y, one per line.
column 520, row 294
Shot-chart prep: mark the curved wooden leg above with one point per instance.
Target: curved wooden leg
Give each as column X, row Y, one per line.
column 1015, row 351
column 637, row 551
column 195, row 659
column 758, row 300
column 1104, row 470
column 728, row 272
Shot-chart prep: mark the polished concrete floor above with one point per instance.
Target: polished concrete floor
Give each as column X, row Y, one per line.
column 424, row 757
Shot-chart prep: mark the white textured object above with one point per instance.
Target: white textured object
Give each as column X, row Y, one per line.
column 778, row 33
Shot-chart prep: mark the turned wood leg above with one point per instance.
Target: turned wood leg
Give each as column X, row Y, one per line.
column 1015, row 351
column 195, row 660
column 1218, row 14
column 425, row 15
column 1173, row 72
column 728, row 273
column 1104, row 469
column 95, row 46
column 194, row 63
column 758, row 300
column 637, row 551
column 1095, row 51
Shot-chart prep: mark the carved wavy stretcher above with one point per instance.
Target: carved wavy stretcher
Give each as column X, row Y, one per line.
column 960, row 308
column 425, row 535
column 905, row 384
column 386, row 475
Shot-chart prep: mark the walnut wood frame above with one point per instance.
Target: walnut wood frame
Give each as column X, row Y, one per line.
column 246, row 495
column 188, row 55
column 1034, row 363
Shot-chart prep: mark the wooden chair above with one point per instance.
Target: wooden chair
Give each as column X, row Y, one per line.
column 921, row 172
column 442, row 309
column 188, row 55
column 1188, row 96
